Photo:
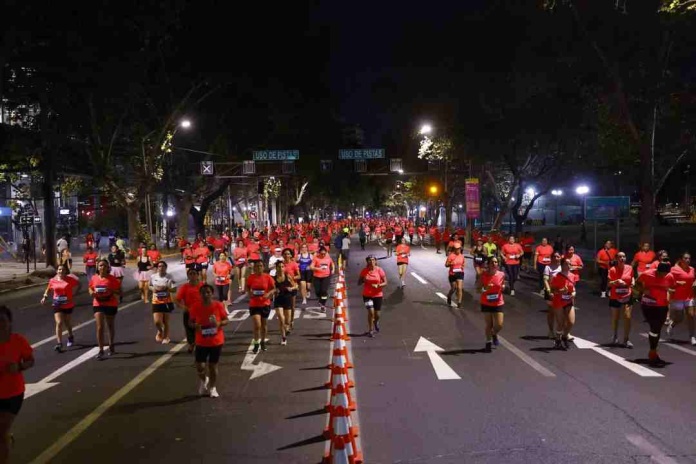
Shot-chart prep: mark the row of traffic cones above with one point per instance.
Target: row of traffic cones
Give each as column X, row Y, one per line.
column 340, row 429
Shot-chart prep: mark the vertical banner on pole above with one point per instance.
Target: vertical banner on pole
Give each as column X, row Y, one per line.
column 473, row 206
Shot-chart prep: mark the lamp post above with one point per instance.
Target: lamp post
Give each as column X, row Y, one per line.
column 583, row 190
column 556, row 193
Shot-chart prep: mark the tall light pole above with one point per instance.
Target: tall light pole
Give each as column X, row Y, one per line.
column 583, row 190
column 556, row 193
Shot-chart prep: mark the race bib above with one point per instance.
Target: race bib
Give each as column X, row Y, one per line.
column 209, row 331
column 478, row 260
column 492, row 297
column 59, row 300
column 258, row 292
column 241, row 260
column 369, row 304
column 648, row 300
column 90, row 262
column 622, row 291
column 403, row 255
column 546, row 260
column 324, row 266
column 161, row 295
column 219, row 279
column 456, row 269
column 101, row 289
column 566, row 297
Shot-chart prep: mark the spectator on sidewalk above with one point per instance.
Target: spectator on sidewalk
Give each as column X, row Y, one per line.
column 61, row 246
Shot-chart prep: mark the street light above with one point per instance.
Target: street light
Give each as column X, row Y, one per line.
column 433, row 190
column 583, row 190
column 556, row 193
column 185, row 123
column 425, row 129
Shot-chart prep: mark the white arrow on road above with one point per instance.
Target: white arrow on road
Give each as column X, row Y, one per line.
column 636, row 368
column 257, row 370
column 47, row 382
column 442, row 369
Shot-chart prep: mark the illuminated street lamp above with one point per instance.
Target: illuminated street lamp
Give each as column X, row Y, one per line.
column 433, row 190
column 425, row 129
column 185, row 123
column 583, row 190
column 556, row 193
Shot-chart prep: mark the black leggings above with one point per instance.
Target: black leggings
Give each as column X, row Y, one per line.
column 222, row 291
column 655, row 317
column 321, row 288
column 190, row 333
column 540, row 270
column 603, row 279
column 513, row 272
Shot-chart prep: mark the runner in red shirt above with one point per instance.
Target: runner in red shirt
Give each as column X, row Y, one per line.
column 154, row 255
column 542, row 258
column 202, row 254
column 240, row 256
column 222, row 271
column 90, row 259
column 260, row 288
column 389, row 241
column 512, row 253
column 621, row 282
column 373, row 279
column 292, row 268
column 492, row 302
column 16, row 356
column 63, row 286
column 643, row 259
column 437, row 236
column 403, row 252
column 455, row 263
column 105, row 290
column 604, row 258
column 322, row 268
column 421, row 236
column 562, row 303
column 681, row 302
column 186, row 296
column 653, row 287
column 207, row 318
column 576, row 264
column 527, row 243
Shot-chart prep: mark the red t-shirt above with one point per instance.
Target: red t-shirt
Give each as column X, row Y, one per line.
column 644, row 258
column 292, row 269
column 202, row 254
column 492, row 296
column 189, row 294
column 322, row 266
column 559, row 282
column 240, row 256
column 607, row 256
column 456, row 263
column 219, row 244
column 222, row 271
column 683, row 291
column 90, row 259
column 621, row 293
column 371, row 277
column 14, row 350
column 655, row 288
column 575, row 261
column 544, row 253
column 253, row 250
column 209, row 334
column 259, row 285
column 189, row 256
column 104, row 288
column 402, row 252
column 63, row 292
column 527, row 244
column 155, row 256
column 512, row 252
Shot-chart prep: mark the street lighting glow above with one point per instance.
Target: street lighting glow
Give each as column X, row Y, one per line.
column 170, row 213
column 530, row 191
column 582, row 190
column 400, row 171
column 557, row 193
column 422, row 208
column 185, row 123
column 426, row 129
column 460, row 205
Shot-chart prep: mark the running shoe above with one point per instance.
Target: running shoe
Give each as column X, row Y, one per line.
column 263, row 346
column 454, row 305
column 566, row 343
column 158, row 336
column 657, row 362
column 71, row 341
column 304, row 301
column 256, row 348
column 202, row 387
column 693, row 341
column 557, row 344
column 288, row 330
column 283, row 341
column 449, row 300
column 58, row 348
column 323, row 309
column 214, row 393
column 496, row 342
column 670, row 327
column 512, row 293
column 371, row 334
column 488, row 347
column 166, row 341
column 376, row 326
column 628, row 344
column 112, row 351
column 570, row 338
column 99, row 356
column 615, row 342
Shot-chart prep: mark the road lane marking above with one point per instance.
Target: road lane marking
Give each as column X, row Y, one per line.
column 239, row 298
column 673, row 345
column 257, row 370
column 441, row 295
column 47, row 382
column 71, row 435
column 526, row 358
column 633, row 367
column 419, row 278
column 79, row 326
column 653, row 451
column 442, row 370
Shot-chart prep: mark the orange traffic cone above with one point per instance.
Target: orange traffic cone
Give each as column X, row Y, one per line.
column 339, row 330
column 340, row 396
column 340, row 453
column 340, row 350
column 339, row 375
column 340, row 425
column 340, row 310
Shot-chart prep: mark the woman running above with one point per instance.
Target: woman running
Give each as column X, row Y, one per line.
column 681, row 302
column 492, row 302
column 455, row 263
column 550, row 272
column 479, row 254
column 403, row 252
column 304, row 261
column 260, row 288
column 643, row 259
column 117, row 261
column 563, row 290
column 512, row 253
column 154, row 255
column 17, row 356
column 389, row 241
column 373, row 279
column 575, row 262
column 187, row 295
column 604, row 258
column 90, row 259
column 293, row 270
column 162, row 286
column 240, row 256
column 542, row 258
column 653, row 287
column 142, row 274
column 284, row 285
column 207, row 318
column 322, row 268
column 66, row 258
column 63, row 286
column 620, row 282
column 105, row 289
column 222, row 271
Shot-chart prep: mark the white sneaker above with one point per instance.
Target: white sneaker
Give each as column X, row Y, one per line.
column 214, row 393
column 669, row 332
column 166, row 341
column 304, row 301
column 203, row 387
column 283, row 341
column 693, row 341
column 604, row 295
column 512, row 293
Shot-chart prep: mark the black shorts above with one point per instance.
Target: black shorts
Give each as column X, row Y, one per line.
column 456, row 276
column 12, row 404
column 263, row 311
column 618, row 304
column 210, row 354
column 389, row 242
column 62, row 311
column 376, row 302
column 107, row 310
column 492, row 309
column 282, row 301
column 193, row 266
column 162, row 307
column 306, row 275
column 202, row 266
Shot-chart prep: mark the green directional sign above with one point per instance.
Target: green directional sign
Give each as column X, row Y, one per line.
column 276, row 155
column 361, row 153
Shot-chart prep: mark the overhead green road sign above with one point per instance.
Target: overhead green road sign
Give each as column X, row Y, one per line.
column 276, row 155
column 606, row 208
column 361, row 153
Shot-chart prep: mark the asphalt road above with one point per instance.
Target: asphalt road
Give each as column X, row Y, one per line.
column 522, row 403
